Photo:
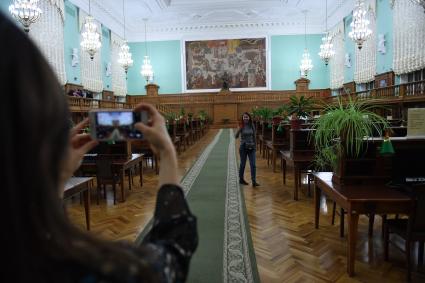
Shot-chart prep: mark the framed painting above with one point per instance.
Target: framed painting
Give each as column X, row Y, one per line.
column 241, row 63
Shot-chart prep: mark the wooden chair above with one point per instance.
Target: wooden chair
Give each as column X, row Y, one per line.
column 105, row 175
column 172, row 131
column 183, row 133
column 279, row 141
column 266, row 136
column 411, row 229
column 148, row 154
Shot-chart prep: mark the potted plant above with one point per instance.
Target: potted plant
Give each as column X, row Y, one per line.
column 343, row 132
column 278, row 114
column 299, row 107
column 190, row 116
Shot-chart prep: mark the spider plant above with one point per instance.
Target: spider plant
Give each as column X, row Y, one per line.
column 344, row 126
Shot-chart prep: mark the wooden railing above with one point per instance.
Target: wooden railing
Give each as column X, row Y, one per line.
column 414, row 91
column 80, row 104
column 390, row 94
column 234, row 97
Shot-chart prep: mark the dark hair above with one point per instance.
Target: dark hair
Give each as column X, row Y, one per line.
column 41, row 245
column 250, row 122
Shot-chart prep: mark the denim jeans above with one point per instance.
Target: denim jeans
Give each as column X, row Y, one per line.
column 251, row 155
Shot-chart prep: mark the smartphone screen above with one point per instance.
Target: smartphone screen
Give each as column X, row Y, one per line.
column 116, row 125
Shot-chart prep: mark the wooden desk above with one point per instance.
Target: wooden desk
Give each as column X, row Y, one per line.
column 299, row 162
column 77, row 185
column 356, row 200
column 121, row 166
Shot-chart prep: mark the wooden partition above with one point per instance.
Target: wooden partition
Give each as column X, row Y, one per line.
column 226, row 107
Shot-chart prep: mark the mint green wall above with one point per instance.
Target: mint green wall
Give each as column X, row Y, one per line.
column 349, row 47
column 166, row 61
column 71, row 40
column 286, row 54
column 4, row 7
column 384, row 25
column 106, row 57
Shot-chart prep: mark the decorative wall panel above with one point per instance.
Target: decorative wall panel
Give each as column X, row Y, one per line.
column 91, row 70
column 409, row 37
column 119, row 82
column 48, row 35
column 365, row 66
column 336, row 63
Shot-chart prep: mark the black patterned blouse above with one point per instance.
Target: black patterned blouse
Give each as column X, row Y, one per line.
column 165, row 252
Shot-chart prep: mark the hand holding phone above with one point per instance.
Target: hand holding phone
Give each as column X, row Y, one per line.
column 116, row 125
column 157, row 135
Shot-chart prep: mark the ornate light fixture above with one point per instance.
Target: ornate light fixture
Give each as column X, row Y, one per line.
column 326, row 48
column 147, row 70
column 124, row 57
column 360, row 30
column 26, row 12
column 306, row 64
column 91, row 37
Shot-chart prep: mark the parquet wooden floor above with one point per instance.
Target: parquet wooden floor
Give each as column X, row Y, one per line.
column 287, row 247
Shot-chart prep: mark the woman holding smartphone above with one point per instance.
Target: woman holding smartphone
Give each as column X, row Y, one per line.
column 39, row 153
column 247, row 148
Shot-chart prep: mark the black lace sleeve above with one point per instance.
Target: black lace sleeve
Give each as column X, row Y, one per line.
column 174, row 233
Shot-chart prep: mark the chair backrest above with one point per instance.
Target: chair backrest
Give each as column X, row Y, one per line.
column 104, row 170
column 418, row 194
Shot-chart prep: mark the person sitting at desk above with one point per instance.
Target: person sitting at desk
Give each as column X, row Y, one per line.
column 39, row 153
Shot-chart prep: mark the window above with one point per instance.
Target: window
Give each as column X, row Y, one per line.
column 416, row 76
column 413, row 76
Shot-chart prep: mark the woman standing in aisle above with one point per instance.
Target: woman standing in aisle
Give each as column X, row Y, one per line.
column 247, row 148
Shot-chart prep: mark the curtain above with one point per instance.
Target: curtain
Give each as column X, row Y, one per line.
column 409, row 37
column 47, row 33
column 365, row 67
column 336, row 64
column 119, row 82
column 91, row 70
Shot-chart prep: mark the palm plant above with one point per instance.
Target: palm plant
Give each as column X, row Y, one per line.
column 300, row 106
column 203, row 115
column 265, row 113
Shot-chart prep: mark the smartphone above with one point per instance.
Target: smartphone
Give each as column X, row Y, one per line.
column 116, row 125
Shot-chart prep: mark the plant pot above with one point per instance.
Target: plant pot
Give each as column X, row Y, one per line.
column 276, row 120
column 296, row 124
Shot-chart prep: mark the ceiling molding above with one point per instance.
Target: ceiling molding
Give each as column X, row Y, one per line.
column 178, row 19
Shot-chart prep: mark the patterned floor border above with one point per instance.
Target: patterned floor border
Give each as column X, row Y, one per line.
column 236, row 260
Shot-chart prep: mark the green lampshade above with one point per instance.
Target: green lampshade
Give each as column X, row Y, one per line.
column 386, row 147
column 279, row 128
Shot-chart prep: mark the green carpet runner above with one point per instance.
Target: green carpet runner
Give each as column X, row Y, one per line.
column 225, row 252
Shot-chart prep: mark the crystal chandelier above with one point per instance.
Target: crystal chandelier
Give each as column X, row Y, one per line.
column 147, row 70
column 360, row 31
column 124, row 57
column 326, row 48
column 91, row 37
column 306, row 64
column 26, row 12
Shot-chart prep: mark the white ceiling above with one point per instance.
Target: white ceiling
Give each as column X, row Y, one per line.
column 197, row 19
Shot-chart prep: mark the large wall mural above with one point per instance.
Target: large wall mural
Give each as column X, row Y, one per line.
column 241, row 62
